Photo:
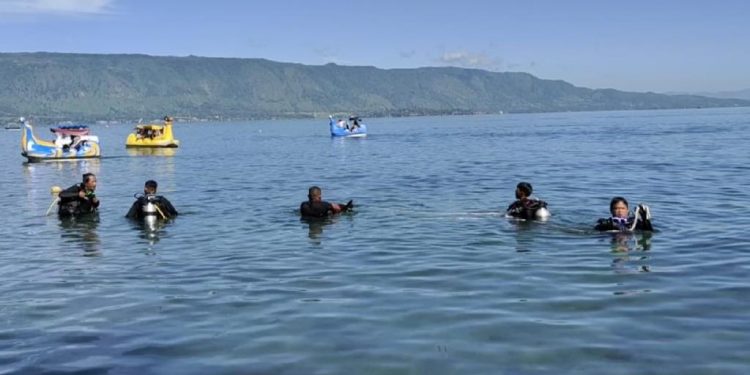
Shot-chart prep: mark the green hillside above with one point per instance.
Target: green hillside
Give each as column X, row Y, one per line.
column 55, row 86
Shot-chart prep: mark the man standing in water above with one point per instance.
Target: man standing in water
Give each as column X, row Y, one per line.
column 316, row 207
column 527, row 207
column 80, row 198
column 163, row 205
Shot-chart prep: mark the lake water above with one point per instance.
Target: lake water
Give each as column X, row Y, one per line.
column 427, row 276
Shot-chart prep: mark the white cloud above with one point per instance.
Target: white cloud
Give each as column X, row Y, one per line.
column 470, row 60
column 56, row 6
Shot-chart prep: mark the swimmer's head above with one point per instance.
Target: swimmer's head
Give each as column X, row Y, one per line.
column 523, row 190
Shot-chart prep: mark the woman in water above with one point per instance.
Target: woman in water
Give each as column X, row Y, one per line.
column 621, row 221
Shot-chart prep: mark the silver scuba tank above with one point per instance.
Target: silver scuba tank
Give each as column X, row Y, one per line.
column 149, row 211
column 542, row 214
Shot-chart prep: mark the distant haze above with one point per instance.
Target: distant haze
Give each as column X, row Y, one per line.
column 740, row 94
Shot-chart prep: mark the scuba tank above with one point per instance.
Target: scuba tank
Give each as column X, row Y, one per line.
column 542, row 214
column 149, row 210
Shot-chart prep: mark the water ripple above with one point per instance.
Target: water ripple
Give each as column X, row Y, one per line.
column 426, row 276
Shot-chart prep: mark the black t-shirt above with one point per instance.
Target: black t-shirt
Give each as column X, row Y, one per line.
column 315, row 209
column 71, row 204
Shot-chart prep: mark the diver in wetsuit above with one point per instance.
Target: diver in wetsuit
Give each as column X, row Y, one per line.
column 620, row 221
column 141, row 207
column 80, row 198
column 316, row 207
column 526, row 206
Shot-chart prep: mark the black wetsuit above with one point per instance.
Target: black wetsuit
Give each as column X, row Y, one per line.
column 613, row 223
column 136, row 210
column 525, row 209
column 320, row 209
column 73, row 205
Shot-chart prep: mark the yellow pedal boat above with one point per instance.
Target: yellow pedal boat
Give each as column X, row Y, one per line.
column 153, row 135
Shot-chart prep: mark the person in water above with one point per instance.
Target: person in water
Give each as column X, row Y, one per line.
column 527, row 207
column 316, row 207
column 80, row 198
column 164, row 208
column 622, row 221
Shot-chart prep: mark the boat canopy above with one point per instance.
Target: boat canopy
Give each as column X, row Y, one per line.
column 72, row 130
column 150, row 127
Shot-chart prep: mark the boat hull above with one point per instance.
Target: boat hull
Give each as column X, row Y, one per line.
column 35, row 158
column 151, row 151
column 143, row 136
column 133, row 142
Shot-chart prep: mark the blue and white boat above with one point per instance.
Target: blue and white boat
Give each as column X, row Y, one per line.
column 354, row 128
column 71, row 142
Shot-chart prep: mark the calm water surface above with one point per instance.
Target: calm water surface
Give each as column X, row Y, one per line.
column 426, row 277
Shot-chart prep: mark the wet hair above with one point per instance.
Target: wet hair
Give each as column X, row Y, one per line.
column 87, row 176
column 151, row 184
column 615, row 201
column 313, row 190
column 525, row 187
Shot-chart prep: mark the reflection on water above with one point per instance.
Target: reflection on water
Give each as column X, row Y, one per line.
column 81, row 232
column 149, row 230
column 152, row 151
column 315, row 227
column 524, row 234
column 92, row 165
column 631, row 251
column 630, row 241
column 152, row 163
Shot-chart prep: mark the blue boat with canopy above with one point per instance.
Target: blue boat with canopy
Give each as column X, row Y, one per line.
column 71, row 142
column 353, row 128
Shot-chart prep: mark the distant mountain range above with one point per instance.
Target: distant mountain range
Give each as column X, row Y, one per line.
column 739, row 94
column 88, row 87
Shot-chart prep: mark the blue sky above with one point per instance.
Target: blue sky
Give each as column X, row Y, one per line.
column 635, row 45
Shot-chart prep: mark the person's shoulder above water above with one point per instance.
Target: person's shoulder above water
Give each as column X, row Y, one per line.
column 527, row 207
column 71, row 192
column 135, row 209
column 80, row 198
column 161, row 204
column 167, row 206
column 316, row 207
